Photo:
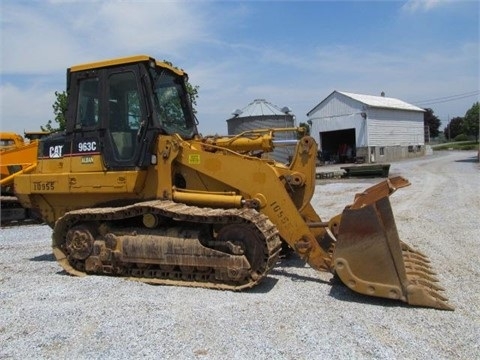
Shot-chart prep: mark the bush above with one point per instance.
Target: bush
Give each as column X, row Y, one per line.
column 461, row 137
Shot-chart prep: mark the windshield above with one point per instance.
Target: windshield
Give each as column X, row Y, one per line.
column 171, row 104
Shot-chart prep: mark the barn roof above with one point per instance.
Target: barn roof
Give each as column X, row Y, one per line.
column 382, row 101
column 374, row 101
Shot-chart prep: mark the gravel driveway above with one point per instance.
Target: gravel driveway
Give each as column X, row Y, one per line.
column 296, row 313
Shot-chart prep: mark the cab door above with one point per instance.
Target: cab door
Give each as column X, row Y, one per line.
column 124, row 114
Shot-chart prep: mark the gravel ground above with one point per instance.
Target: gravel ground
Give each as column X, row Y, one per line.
column 296, row 313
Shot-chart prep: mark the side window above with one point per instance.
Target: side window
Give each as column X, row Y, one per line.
column 124, row 109
column 87, row 110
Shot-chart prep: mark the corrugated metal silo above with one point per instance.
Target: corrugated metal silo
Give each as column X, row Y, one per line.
column 260, row 114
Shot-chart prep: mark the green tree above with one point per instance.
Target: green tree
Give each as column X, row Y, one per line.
column 193, row 93
column 471, row 121
column 192, row 90
column 454, row 128
column 433, row 122
column 307, row 128
column 59, row 110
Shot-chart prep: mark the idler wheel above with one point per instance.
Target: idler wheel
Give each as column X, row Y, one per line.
column 79, row 242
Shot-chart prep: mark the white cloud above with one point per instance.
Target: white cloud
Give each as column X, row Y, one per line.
column 33, row 42
column 45, row 38
column 422, row 5
column 25, row 109
column 165, row 26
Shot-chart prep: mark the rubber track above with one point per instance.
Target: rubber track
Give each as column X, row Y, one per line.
column 180, row 212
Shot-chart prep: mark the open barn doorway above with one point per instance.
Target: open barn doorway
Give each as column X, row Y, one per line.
column 338, row 147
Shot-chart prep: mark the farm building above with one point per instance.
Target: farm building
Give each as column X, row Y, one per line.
column 354, row 127
column 261, row 114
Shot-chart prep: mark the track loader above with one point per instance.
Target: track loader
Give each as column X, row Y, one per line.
column 132, row 189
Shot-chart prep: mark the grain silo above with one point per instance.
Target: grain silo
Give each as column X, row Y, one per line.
column 260, row 114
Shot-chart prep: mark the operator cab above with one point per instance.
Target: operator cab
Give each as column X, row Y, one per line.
column 117, row 108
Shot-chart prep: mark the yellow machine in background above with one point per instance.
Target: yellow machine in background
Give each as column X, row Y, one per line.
column 132, row 189
column 16, row 157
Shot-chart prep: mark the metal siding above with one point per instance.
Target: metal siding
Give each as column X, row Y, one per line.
column 339, row 113
column 281, row 153
column 395, row 127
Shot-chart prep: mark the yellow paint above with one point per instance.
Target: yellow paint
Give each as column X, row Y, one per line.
column 123, row 61
column 213, row 164
column 259, row 177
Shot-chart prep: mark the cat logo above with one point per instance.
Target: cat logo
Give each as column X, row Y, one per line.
column 55, row 151
column 87, row 160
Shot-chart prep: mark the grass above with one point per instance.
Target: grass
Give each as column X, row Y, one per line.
column 457, row 145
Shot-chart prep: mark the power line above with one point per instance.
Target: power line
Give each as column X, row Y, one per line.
column 470, row 93
column 447, row 98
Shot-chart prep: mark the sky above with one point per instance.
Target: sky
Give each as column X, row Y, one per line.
column 290, row 53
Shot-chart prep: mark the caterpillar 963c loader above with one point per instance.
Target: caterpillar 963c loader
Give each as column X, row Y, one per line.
column 131, row 189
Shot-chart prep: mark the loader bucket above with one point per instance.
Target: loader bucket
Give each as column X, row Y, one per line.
column 370, row 258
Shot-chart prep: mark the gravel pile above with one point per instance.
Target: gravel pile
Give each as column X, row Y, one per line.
column 296, row 313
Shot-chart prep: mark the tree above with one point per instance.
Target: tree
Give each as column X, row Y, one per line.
column 59, row 110
column 306, row 126
column 432, row 122
column 471, row 121
column 454, row 128
column 192, row 90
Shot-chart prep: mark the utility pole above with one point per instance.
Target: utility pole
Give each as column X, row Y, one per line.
column 449, row 137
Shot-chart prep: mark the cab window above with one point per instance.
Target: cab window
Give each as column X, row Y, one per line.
column 124, row 113
column 88, row 100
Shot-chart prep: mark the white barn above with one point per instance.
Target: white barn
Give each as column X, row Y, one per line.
column 351, row 127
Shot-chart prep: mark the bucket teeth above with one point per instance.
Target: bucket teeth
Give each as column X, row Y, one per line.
column 445, row 306
column 416, row 268
column 438, row 296
column 415, row 255
column 420, row 274
column 430, row 285
column 416, row 260
column 423, row 288
column 425, row 294
column 413, row 264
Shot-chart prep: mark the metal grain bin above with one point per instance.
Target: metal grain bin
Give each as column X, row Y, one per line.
column 261, row 114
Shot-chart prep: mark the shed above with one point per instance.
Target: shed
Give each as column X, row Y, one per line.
column 355, row 128
column 261, row 114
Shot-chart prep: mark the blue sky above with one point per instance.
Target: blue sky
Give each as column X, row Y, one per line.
column 291, row 53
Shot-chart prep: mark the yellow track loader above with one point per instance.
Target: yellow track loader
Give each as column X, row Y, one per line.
column 132, row 189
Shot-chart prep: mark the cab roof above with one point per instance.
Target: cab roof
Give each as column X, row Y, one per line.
column 10, row 135
column 124, row 60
